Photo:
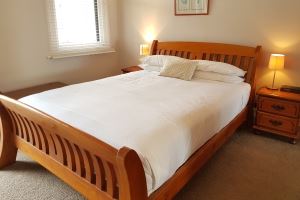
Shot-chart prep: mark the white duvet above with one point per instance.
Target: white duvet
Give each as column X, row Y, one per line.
column 163, row 119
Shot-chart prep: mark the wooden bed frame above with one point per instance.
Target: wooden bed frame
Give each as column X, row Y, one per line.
column 96, row 169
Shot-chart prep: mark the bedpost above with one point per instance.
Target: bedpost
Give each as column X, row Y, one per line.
column 132, row 176
column 8, row 150
column 253, row 78
column 253, row 87
column 153, row 47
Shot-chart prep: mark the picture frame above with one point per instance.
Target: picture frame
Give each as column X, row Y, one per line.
column 191, row 7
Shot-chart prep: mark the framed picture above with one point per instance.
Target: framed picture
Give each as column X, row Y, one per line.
column 191, row 7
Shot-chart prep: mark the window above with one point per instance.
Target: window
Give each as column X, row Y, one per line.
column 78, row 27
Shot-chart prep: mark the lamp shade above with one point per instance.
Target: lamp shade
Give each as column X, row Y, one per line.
column 276, row 62
column 144, row 49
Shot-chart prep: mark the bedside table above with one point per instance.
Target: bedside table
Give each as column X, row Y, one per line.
column 17, row 94
column 131, row 69
column 278, row 112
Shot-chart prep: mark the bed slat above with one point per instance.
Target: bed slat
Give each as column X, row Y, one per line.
column 24, row 128
column 38, row 143
column 45, row 143
column 52, row 146
column 70, row 155
column 222, row 58
column 16, row 120
column 88, row 166
column 30, row 132
column 100, row 174
column 109, row 178
column 230, row 59
column 15, row 126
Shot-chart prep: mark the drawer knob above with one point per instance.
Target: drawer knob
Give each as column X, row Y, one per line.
column 278, row 107
column 275, row 122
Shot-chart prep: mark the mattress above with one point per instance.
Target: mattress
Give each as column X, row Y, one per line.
column 165, row 120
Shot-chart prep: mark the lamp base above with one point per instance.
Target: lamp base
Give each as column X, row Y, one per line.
column 273, row 88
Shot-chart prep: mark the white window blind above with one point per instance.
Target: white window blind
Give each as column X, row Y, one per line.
column 78, row 27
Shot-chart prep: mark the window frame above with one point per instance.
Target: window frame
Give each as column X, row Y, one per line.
column 79, row 50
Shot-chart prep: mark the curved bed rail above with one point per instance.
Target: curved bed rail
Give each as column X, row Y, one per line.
column 92, row 167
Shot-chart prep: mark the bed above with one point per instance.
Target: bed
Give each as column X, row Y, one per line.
column 108, row 170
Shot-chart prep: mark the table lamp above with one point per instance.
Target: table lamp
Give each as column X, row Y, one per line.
column 144, row 49
column 276, row 63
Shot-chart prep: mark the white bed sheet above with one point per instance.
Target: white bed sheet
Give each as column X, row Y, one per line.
column 165, row 120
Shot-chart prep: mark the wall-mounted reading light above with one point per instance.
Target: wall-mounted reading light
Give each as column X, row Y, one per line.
column 144, row 49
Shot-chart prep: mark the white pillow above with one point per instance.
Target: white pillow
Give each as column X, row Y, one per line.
column 150, row 68
column 203, row 65
column 217, row 77
column 219, row 67
column 159, row 60
column 179, row 69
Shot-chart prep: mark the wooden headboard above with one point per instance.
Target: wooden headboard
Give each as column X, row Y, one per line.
column 241, row 56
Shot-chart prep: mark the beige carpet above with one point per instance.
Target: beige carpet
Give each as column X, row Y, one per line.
column 248, row 167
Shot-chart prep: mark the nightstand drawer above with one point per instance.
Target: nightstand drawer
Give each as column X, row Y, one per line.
column 281, row 107
column 275, row 122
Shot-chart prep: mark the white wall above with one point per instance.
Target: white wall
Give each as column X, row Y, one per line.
column 274, row 24
column 24, row 49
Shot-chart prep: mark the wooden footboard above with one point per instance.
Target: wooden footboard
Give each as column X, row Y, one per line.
column 90, row 166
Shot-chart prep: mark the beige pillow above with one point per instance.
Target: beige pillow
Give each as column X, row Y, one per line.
column 181, row 69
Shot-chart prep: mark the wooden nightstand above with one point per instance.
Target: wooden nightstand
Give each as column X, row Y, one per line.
column 278, row 112
column 17, row 94
column 131, row 69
